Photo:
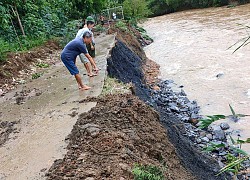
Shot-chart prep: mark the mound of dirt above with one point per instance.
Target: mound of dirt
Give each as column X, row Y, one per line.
column 17, row 62
column 133, row 41
column 129, row 40
column 106, row 143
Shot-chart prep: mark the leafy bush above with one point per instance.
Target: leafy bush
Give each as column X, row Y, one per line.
column 136, row 9
column 69, row 32
column 204, row 123
column 121, row 25
column 100, row 28
column 4, row 49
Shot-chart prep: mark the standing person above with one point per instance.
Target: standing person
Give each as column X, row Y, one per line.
column 90, row 22
column 114, row 16
column 102, row 20
column 71, row 51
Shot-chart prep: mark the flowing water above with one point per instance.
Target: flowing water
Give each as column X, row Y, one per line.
column 192, row 49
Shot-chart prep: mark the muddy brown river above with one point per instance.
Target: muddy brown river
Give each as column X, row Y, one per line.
column 192, row 49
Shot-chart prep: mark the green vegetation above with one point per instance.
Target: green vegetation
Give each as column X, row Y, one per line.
column 26, row 24
column 204, row 123
column 136, row 9
column 36, row 75
column 235, row 156
column 121, row 25
column 234, row 163
column 243, row 42
column 212, row 147
column 100, row 28
column 42, row 65
column 113, row 86
column 147, row 172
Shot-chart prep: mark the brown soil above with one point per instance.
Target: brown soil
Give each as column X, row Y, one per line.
column 151, row 69
column 106, row 142
column 17, row 62
column 129, row 40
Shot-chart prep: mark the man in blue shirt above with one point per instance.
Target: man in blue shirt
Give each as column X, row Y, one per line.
column 90, row 47
column 71, row 51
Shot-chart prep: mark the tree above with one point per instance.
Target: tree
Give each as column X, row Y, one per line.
column 83, row 8
column 136, row 8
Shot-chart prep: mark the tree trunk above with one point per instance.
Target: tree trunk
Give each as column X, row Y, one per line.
column 19, row 20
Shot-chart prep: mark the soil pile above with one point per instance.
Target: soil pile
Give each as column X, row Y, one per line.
column 106, row 142
column 16, row 62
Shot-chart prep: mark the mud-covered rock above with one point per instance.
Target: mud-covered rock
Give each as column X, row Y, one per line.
column 224, row 126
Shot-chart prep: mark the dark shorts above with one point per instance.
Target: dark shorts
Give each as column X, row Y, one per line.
column 70, row 65
column 91, row 52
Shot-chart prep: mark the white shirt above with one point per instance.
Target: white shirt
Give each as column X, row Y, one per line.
column 82, row 31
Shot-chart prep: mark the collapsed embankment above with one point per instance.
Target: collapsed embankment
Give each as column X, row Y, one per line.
column 128, row 65
column 122, row 130
column 112, row 137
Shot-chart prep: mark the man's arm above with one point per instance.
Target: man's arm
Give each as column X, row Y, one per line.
column 91, row 61
column 92, row 46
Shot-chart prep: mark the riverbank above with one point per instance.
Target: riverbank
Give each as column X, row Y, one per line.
column 194, row 53
column 127, row 63
column 121, row 130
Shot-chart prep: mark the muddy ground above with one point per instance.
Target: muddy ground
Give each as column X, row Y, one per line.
column 107, row 141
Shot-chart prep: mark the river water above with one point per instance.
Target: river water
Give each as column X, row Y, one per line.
column 192, row 49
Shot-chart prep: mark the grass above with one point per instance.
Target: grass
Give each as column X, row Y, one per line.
column 147, row 172
column 42, row 65
column 36, row 75
column 113, row 86
column 23, row 45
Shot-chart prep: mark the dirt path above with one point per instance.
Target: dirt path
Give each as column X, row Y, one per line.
column 47, row 112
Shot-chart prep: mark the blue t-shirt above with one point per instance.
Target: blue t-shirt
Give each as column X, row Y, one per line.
column 73, row 49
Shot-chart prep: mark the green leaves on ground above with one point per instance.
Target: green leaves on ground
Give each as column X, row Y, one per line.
column 147, row 172
column 36, row 75
column 212, row 146
column 209, row 120
column 204, row 123
column 42, row 65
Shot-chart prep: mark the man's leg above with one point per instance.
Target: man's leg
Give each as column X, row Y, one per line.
column 87, row 65
column 70, row 65
column 80, row 84
column 89, row 71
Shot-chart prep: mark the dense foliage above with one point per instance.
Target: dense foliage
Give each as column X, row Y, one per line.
column 28, row 23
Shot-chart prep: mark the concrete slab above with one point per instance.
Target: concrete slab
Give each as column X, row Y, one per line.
column 47, row 118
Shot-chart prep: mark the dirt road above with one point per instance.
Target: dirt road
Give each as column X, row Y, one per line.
column 46, row 109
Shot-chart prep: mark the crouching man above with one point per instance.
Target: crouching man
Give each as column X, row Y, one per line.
column 71, row 51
